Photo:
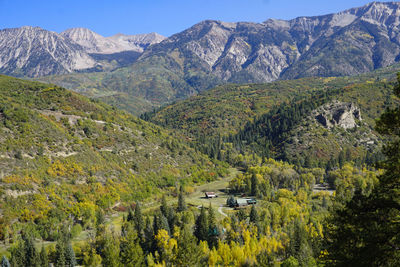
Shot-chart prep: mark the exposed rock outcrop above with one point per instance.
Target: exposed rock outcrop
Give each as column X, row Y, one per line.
column 338, row 113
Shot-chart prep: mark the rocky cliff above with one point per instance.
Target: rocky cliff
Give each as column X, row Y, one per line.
column 347, row 43
column 34, row 52
column 137, row 42
column 337, row 113
column 95, row 43
column 334, row 127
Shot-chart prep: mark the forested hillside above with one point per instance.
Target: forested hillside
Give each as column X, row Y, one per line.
column 82, row 182
column 279, row 119
column 65, row 158
column 239, row 144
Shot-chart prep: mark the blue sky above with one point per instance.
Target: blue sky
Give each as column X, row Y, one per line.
column 108, row 17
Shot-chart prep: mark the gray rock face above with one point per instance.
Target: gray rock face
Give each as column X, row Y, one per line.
column 95, row 43
column 338, row 114
column 351, row 42
column 137, row 42
column 34, row 52
column 347, row 43
column 91, row 41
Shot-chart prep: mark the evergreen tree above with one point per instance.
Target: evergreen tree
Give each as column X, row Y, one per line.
column 201, row 226
column 31, row 255
column 65, row 255
column 138, row 219
column 160, row 222
column 231, row 202
column 60, row 260
column 130, row 216
column 100, row 217
column 299, row 246
column 5, row 262
column 366, row 232
column 130, row 251
column 181, row 200
column 341, row 158
column 70, row 260
column 44, row 259
column 164, row 224
column 156, row 223
column 212, row 228
column 307, row 162
column 111, row 250
column 148, row 245
column 188, row 253
column 253, row 215
column 324, row 202
column 164, row 206
column 241, row 215
column 254, row 185
column 18, row 257
column 348, row 154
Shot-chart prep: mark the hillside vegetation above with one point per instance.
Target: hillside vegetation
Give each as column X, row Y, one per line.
column 276, row 120
column 87, row 178
column 63, row 156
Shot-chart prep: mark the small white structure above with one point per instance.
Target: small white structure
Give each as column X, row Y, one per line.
column 210, row 194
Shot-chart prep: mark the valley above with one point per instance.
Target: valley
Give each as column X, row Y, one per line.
column 272, row 143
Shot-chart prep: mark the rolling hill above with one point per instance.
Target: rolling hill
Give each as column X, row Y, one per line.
column 62, row 155
column 275, row 119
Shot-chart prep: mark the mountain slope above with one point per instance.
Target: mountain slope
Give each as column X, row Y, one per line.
column 60, row 151
column 275, row 119
column 369, row 42
column 137, row 42
column 351, row 42
column 91, row 41
column 36, row 52
column 95, row 43
column 255, row 52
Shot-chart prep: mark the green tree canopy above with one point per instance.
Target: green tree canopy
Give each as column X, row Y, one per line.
column 366, row 232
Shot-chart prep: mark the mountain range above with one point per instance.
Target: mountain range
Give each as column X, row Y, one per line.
column 241, row 109
column 33, row 52
column 145, row 71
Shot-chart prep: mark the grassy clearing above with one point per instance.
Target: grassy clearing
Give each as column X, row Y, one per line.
column 198, row 199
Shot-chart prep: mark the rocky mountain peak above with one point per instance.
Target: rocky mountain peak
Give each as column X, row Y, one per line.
column 36, row 52
column 33, row 51
column 350, row 42
column 279, row 49
column 137, row 42
column 379, row 12
column 29, row 28
column 80, row 34
column 91, row 41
